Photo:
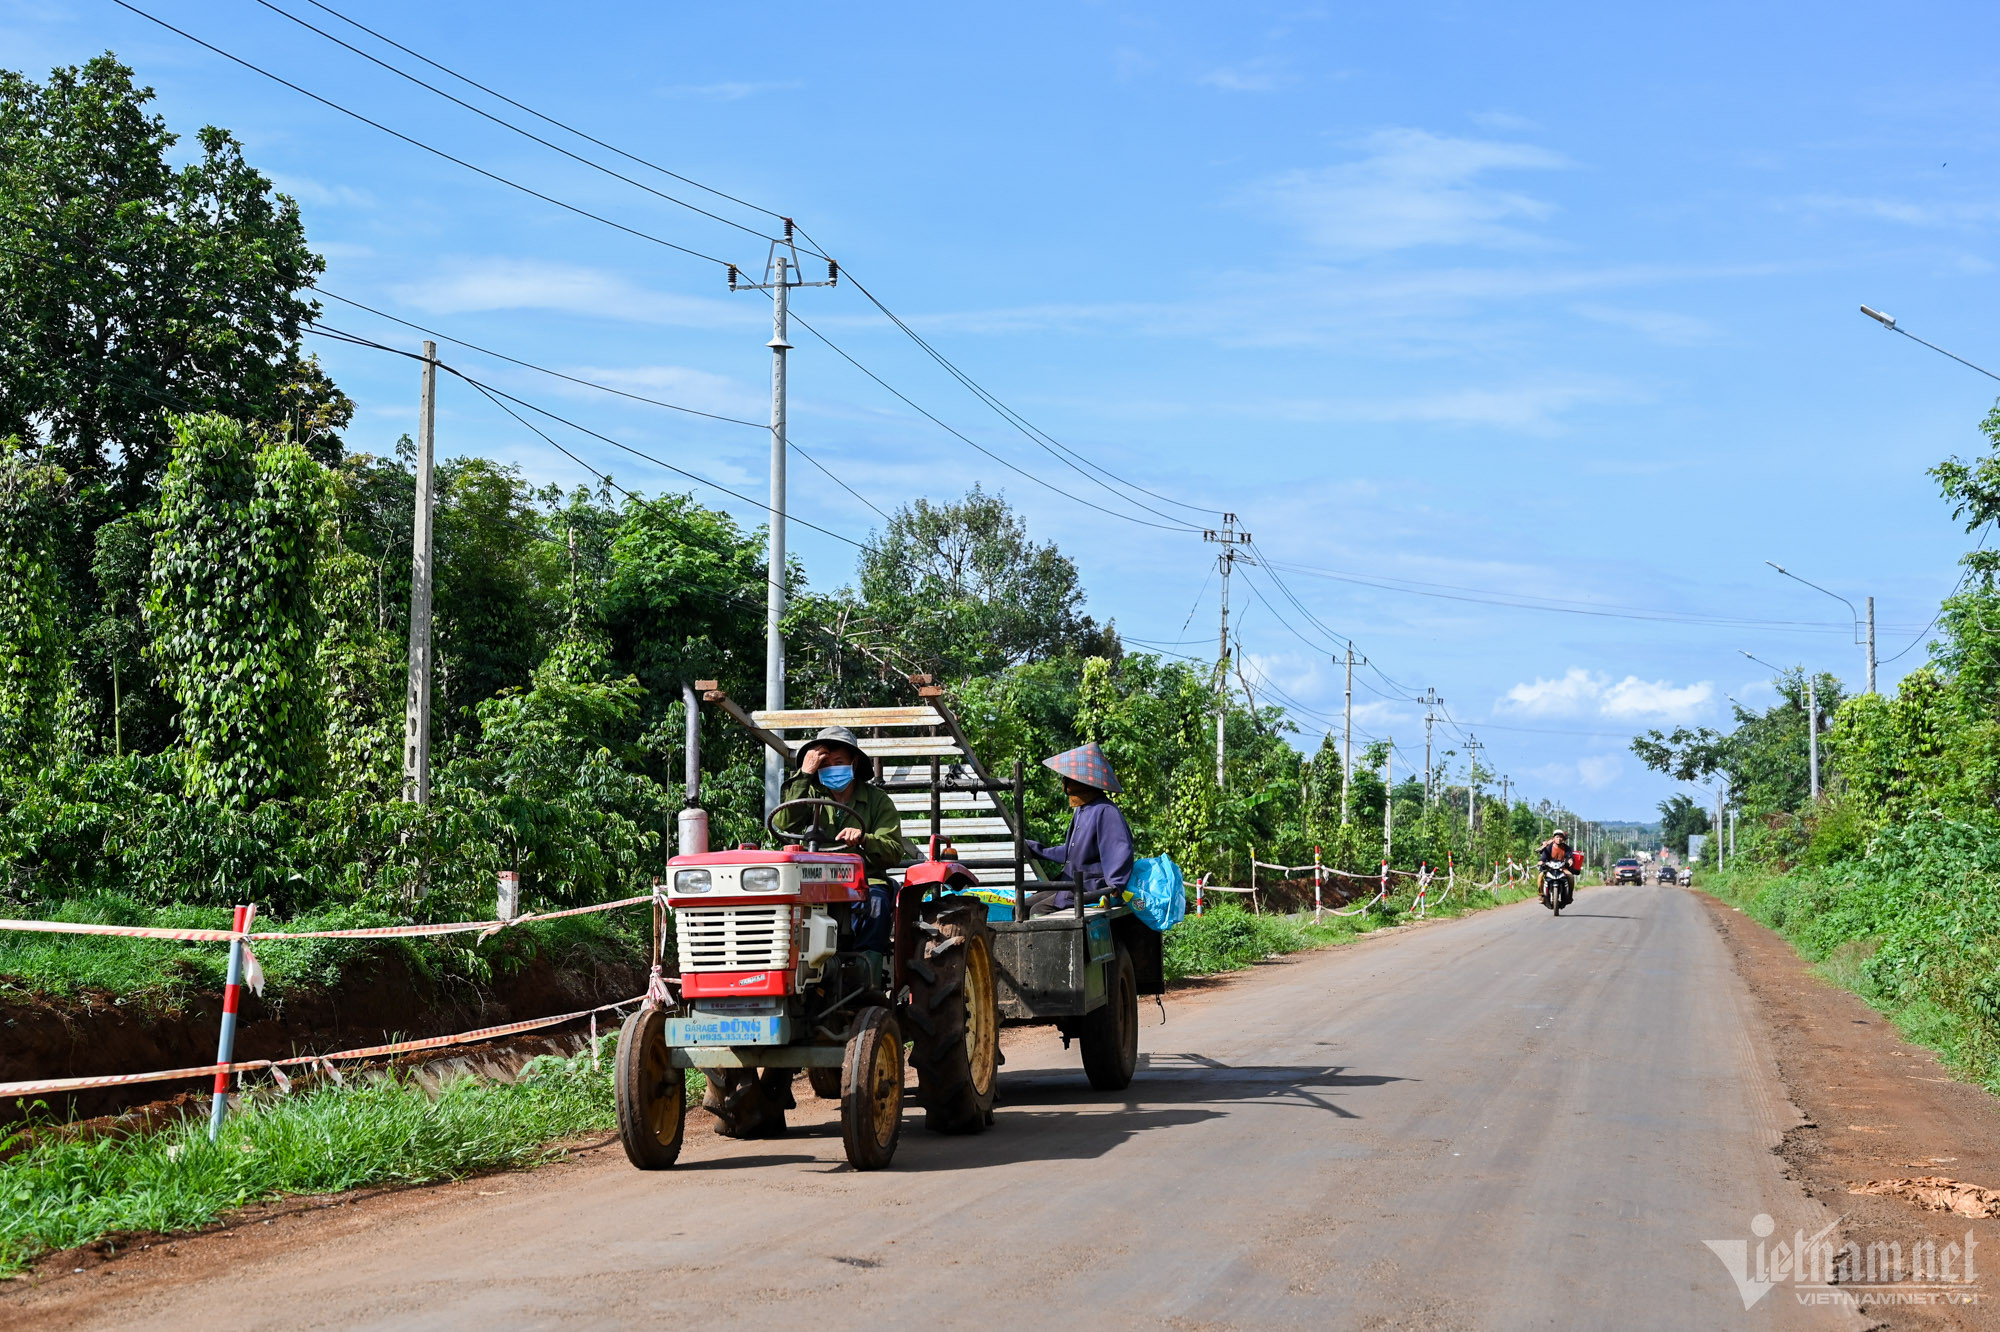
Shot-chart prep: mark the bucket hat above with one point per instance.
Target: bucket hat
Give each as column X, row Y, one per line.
column 864, row 766
column 1086, row 764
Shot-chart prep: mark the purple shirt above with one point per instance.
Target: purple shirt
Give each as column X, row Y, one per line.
column 1099, row 849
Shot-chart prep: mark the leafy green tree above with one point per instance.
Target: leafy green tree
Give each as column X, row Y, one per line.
column 970, row 593
column 1679, row 818
column 130, row 285
column 33, row 653
column 232, row 612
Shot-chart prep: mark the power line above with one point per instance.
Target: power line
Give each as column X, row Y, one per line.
column 326, row 330
column 602, row 388
column 504, row 124
column 418, row 143
column 1047, row 442
column 542, row 116
column 968, row 440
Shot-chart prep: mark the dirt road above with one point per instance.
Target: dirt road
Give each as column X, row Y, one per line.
column 1504, row 1121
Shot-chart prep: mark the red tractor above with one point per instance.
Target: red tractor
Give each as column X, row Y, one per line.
column 770, row 982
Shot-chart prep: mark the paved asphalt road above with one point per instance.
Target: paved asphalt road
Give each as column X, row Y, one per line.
column 1503, row 1121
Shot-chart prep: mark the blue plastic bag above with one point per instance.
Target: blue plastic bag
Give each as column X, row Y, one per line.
column 1157, row 892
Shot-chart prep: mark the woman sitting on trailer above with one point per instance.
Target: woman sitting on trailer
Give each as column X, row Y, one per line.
column 1098, row 850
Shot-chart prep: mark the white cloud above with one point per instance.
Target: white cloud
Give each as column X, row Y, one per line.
column 1662, row 326
column 1580, row 693
column 1526, row 407
column 1412, row 188
column 532, row 284
column 1599, row 771
column 317, row 194
column 728, row 91
column 698, row 389
column 1253, row 76
column 1910, row 214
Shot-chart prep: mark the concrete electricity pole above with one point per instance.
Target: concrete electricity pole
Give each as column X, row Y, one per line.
column 1389, row 798
column 1430, row 700
column 1347, row 737
column 417, row 697
column 1871, row 645
column 1229, row 539
column 1812, row 736
column 780, row 276
column 1472, row 747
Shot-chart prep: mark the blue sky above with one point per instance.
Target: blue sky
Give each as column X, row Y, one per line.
column 1547, row 304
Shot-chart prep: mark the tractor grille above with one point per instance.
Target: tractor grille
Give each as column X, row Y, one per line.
column 735, row 938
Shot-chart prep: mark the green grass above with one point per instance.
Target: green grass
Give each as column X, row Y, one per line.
column 59, row 1194
column 1229, row 938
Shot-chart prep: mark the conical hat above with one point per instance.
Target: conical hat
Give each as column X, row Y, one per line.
column 1086, row 764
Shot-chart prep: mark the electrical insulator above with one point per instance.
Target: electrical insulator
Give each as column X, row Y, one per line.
column 732, row 277
column 832, row 272
column 788, row 228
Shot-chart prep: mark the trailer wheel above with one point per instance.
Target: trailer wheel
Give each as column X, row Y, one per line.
column 825, row 1083
column 745, row 1104
column 953, row 1016
column 871, row 1091
column 1110, row 1035
column 651, row 1093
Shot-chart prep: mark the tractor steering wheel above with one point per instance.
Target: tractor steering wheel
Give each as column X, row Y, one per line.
column 810, row 836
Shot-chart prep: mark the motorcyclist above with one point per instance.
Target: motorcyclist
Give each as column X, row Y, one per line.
column 1557, row 858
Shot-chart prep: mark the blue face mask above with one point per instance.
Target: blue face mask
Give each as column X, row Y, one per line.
column 836, row 777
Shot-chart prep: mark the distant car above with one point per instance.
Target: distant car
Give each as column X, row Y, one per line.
column 1628, row 870
column 1666, row 875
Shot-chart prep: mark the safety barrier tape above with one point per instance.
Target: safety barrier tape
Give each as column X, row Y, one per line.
column 362, row 932
column 42, row 1086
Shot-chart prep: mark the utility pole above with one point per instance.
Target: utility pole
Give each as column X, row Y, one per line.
column 1430, row 700
column 417, row 697
column 1472, row 747
column 1229, row 539
column 1871, row 645
column 1389, row 798
column 1812, row 736
column 1347, row 737
column 780, row 276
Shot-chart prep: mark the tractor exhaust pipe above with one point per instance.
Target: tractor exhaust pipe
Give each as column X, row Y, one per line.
column 693, row 829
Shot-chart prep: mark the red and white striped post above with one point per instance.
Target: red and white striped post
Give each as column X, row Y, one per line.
column 225, row 1046
column 1197, row 893
column 1450, row 871
column 1385, row 878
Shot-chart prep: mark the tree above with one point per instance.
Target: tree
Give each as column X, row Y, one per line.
column 129, row 286
column 231, row 607
column 33, row 653
column 971, row 594
column 1680, row 817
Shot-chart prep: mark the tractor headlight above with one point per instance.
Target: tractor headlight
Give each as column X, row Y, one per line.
column 692, row 881
column 761, row 879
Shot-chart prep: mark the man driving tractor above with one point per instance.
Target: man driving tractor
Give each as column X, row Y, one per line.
column 833, row 767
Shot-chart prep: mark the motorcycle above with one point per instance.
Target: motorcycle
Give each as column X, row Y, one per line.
column 1558, row 888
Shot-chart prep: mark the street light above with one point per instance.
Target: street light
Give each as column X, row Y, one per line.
column 1859, row 641
column 1812, row 726
column 1889, row 322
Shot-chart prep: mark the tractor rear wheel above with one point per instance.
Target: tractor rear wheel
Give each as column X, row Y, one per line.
column 1110, row 1035
column 747, row 1104
column 953, row 1016
column 651, row 1093
column 825, row 1083
column 871, row 1090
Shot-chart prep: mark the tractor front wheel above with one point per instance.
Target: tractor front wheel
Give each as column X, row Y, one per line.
column 651, row 1093
column 953, row 1016
column 871, row 1090
column 825, row 1083
column 1110, row 1035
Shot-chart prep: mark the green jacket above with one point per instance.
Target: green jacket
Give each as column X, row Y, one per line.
column 883, row 846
